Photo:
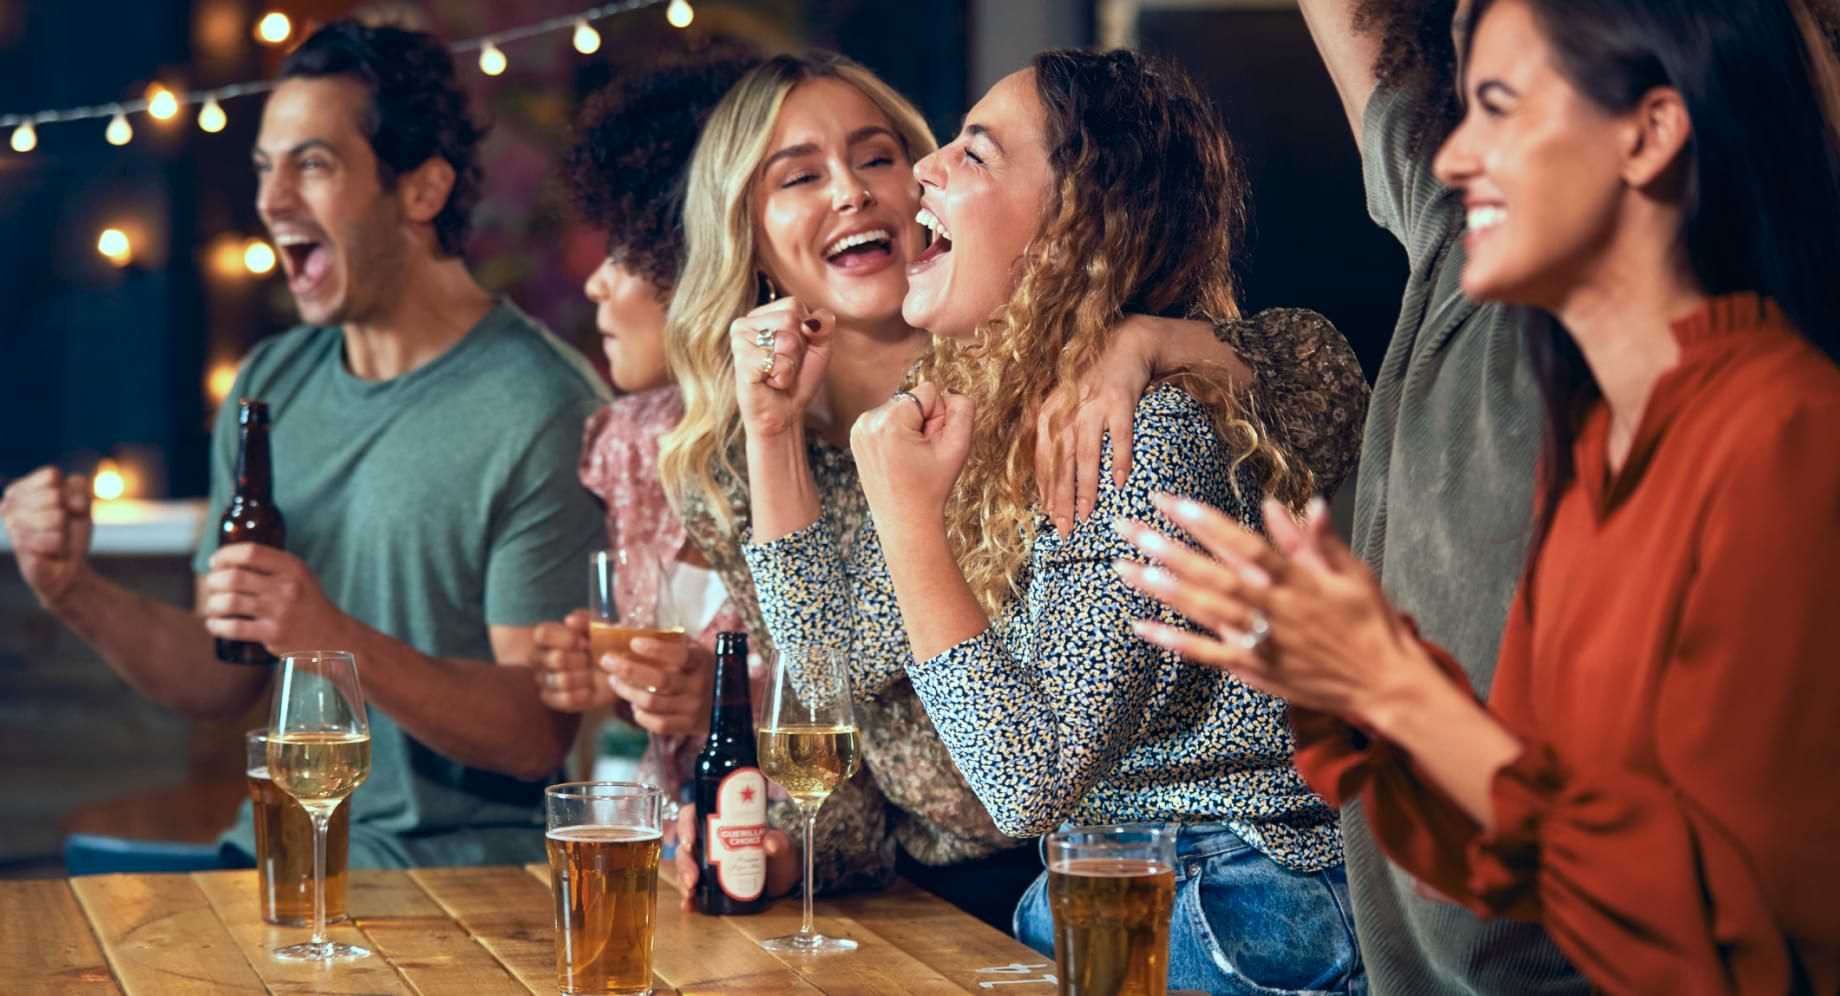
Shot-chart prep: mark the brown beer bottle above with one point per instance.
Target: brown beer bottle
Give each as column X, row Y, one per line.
column 251, row 516
column 731, row 795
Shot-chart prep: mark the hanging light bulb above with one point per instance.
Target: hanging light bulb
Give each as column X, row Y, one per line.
column 679, row 14
column 119, row 132
column 109, row 484
column 161, row 103
column 492, row 61
column 211, row 116
column 587, row 40
column 25, row 138
column 274, row 28
column 258, row 257
column 114, row 246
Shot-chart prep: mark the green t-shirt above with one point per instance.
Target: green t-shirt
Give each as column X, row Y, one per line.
column 429, row 507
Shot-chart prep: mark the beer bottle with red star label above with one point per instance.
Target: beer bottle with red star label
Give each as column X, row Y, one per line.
column 731, row 795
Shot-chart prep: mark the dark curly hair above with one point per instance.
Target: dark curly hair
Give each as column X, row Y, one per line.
column 627, row 167
column 1418, row 52
column 417, row 110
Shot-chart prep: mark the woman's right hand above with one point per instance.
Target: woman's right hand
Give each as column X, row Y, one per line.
column 567, row 680
column 783, row 869
column 773, row 394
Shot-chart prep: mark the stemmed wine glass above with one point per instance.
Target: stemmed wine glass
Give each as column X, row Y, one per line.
column 808, row 747
column 319, row 750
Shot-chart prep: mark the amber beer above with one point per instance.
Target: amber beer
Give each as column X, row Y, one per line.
column 284, row 848
column 604, row 878
column 731, row 795
column 251, row 516
column 607, row 637
column 1111, row 907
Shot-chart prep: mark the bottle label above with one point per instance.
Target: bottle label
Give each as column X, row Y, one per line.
column 735, row 835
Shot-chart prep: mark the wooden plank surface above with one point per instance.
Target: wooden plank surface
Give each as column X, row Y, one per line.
column 233, row 895
column 438, row 957
column 161, row 935
column 375, row 894
column 953, row 943
column 875, row 967
column 46, row 945
column 506, row 911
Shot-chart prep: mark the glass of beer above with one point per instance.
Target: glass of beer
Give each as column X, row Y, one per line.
column 284, row 847
column 808, row 747
column 1111, row 890
column 629, row 598
column 604, row 839
column 319, row 752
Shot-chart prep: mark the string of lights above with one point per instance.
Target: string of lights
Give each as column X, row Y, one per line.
column 163, row 104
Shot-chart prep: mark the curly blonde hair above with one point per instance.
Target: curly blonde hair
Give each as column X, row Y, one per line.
column 1146, row 209
column 718, row 284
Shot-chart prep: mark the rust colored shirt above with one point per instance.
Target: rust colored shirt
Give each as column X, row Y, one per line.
column 1674, row 821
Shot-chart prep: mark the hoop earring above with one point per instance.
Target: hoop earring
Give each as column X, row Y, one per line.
column 764, row 290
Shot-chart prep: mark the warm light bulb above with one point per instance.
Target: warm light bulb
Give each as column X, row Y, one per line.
column 108, row 484
column 211, row 116
column 25, row 138
column 161, row 103
column 679, row 14
column 219, row 381
column 113, row 245
column 119, row 132
column 274, row 27
column 258, row 257
column 491, row 60
column 587, row 40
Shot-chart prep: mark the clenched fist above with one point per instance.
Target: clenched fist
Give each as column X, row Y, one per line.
column 47, row 519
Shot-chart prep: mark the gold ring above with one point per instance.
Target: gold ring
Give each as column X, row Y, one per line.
column 766, row 365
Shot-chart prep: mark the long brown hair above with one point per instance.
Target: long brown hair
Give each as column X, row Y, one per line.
column 1146, row 210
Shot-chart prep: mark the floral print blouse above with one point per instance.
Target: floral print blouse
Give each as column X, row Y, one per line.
column 1313, row 400
column 1057, row 712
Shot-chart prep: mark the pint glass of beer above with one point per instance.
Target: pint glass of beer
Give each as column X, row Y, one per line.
column 1111, row 890
column 604, row 841
column 284, row 847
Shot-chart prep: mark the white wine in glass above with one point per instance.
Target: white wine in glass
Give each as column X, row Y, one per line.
column 319, row 751
column 807, row 745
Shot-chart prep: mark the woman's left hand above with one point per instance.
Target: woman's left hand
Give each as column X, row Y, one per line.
column 909, row 453
column 1077, row 416
column 1330, row 639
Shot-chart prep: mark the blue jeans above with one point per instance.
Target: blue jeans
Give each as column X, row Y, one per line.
column 1243, row 924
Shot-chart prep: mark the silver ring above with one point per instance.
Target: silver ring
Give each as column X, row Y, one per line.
column 651, row 689
column 765, row 338
column 1257, row 636
column 918, row 407
column 551, row 679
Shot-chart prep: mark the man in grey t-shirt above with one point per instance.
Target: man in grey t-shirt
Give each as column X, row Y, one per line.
column 1444, row 499
column 424, row 444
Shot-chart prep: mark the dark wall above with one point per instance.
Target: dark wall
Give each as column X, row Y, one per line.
column 1312, row 244
column 94, row 358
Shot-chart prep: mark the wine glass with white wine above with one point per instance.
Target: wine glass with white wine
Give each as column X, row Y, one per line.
column 808, row 747
column 319, row 750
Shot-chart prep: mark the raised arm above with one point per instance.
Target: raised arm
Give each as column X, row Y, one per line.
column 1349, row 53
column 1037, row 713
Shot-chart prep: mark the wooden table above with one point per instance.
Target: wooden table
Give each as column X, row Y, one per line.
column 471, row 931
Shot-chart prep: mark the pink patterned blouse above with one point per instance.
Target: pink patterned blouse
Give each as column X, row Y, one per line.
column 619, row 465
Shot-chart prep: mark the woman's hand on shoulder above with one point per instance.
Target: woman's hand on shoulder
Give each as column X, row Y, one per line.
column 781, row 350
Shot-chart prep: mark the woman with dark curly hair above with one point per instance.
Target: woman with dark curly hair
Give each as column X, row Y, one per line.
column 1083, row 188
column 626, row 172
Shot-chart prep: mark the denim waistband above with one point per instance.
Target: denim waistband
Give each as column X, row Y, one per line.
column 1194, row 841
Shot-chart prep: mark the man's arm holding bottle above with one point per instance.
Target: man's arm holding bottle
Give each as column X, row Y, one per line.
column 481, row 713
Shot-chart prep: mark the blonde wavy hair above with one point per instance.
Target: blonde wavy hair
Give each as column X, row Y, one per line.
column 1146, row 209
column 719, row 282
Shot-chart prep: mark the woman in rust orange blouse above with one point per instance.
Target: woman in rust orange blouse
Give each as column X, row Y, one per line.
column 1656, row 776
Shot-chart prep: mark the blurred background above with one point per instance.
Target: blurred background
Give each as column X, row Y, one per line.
column 135, row 276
